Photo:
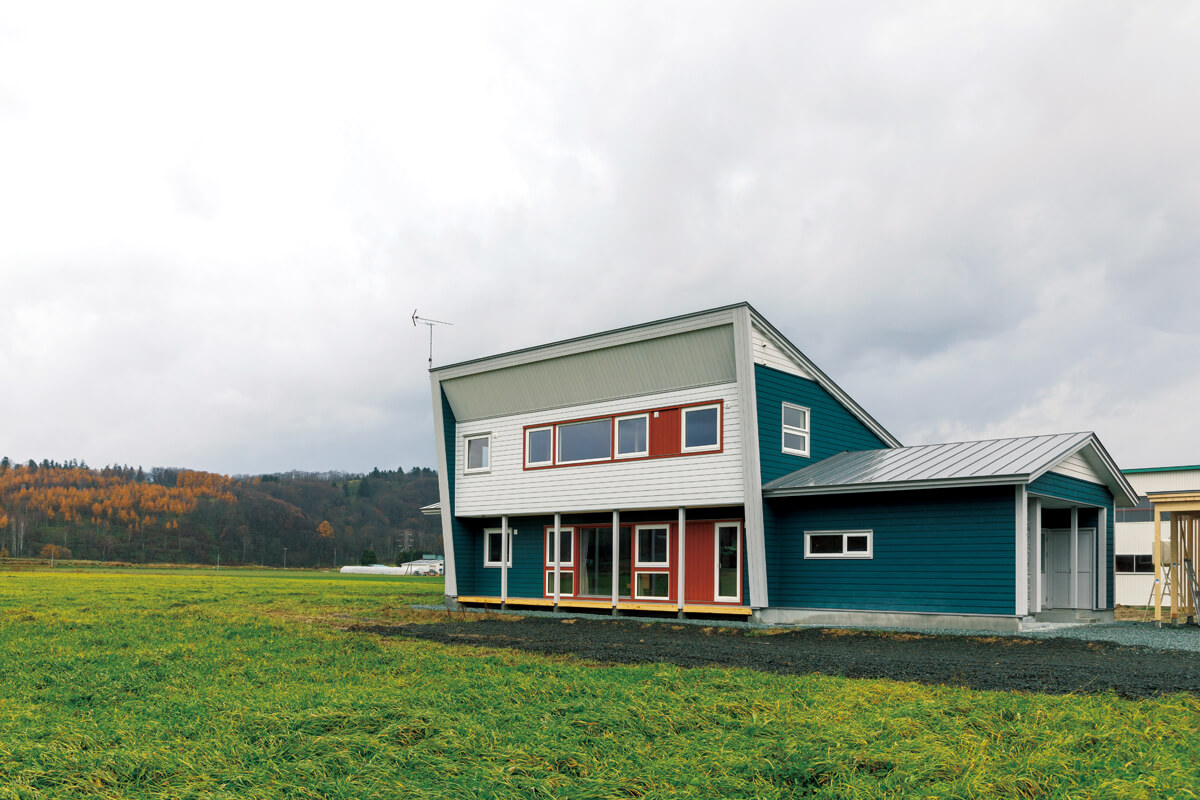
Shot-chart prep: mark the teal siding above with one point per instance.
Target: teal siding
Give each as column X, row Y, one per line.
column 833, row 428
column 1077, row 490
column 947, row 551
column 525, row 575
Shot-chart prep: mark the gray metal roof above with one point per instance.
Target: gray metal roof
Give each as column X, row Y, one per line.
column 995, row 461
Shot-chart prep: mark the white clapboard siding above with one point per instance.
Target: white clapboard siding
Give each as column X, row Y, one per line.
column 767, row 353
column 1183, row 480
column 703, row 479
column 1077, row 466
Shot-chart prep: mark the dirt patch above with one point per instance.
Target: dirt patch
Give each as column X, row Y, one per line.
column 1052, row 666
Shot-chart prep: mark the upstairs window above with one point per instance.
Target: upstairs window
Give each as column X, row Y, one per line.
column 539, row 447
column 585, row 441
column 795, row 430
column 838, row 544
column 633, row 436
column 701, row 428
column 478, row 453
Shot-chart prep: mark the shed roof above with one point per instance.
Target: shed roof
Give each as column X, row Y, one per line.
column 995, row 461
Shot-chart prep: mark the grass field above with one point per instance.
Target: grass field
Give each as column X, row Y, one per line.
column 240, row 684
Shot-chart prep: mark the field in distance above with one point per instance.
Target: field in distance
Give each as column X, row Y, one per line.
column 245, row 684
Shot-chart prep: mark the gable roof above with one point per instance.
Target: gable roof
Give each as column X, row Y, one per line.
column 982, row 463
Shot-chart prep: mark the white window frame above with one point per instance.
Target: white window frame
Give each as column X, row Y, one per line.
column 488, row 561
column 638, row 596
column 570, row 531
column 562, row 574
column 637, row 547
column 558, row 459
column 550, row 461
column 467, row 468
column 868, row 553
column 616, row 436
column 683, row 415
column 805, row 432
column 737, row 526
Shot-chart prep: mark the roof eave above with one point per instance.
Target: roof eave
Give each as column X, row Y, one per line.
column 897, row 486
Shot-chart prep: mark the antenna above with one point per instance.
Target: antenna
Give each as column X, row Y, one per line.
column 430, row 322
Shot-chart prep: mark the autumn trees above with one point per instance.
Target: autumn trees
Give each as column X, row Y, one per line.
column 180, row 515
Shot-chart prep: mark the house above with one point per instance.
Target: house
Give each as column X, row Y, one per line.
column 1134, row 561
column 702, row 465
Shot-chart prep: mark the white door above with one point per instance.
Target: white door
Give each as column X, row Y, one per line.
column 1059, row 571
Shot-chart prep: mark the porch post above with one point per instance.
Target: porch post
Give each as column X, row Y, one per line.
column 616, row 557
column 1102, row 559
column 1157, row 564
column 557, row 554
column 1074, row 556
column 503, row 560
column 1021, row 595
column 682, row 563
column 1176, row 572
column 1038, row 600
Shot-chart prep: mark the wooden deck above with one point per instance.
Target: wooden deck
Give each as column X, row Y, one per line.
column 567, row 604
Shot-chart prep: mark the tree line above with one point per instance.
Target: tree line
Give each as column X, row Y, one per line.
column 176, row 515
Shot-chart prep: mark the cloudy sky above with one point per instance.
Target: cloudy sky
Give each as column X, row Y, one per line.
column 217, row 218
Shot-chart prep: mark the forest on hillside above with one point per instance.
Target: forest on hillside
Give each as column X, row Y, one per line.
column 170, row 515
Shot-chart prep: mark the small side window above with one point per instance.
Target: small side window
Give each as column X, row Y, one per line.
column 493, row 541
column 795, row 430
column 839, row 544
column 539, row 447
column 632, row 436
column 478, row 455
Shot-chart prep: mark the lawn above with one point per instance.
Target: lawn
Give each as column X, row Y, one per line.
column 242, row 684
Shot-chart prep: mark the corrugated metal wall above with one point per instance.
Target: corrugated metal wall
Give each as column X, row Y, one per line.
column 684, row 360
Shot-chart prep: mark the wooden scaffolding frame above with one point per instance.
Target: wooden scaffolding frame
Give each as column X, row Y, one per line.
column 1176, row 561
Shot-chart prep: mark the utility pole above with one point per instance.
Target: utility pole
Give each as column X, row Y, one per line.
column 285, row 558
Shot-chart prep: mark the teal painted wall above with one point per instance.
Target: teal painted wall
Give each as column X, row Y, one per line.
column 948, row 551
column 1076, row 490
column 833, row 428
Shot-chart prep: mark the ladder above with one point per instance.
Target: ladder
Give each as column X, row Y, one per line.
column 1189, row 575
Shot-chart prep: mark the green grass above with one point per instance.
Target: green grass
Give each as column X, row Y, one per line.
column 239, row 684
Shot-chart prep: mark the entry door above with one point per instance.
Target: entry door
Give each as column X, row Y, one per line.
column 1059, row 569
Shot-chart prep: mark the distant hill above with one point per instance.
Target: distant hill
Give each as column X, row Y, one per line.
column 121, row 513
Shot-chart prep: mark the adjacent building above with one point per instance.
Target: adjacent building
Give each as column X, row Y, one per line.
column 703, row 465
column 1134, row 558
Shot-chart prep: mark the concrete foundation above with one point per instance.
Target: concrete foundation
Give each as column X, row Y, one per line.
column 887, row 619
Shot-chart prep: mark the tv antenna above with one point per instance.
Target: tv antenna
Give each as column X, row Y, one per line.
column 430, row 322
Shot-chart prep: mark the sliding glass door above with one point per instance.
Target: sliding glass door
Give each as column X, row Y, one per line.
column 596, row 569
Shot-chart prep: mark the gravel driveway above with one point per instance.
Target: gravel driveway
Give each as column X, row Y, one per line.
column 1057, row 662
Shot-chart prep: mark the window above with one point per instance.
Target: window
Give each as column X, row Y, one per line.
column 585, row 441
column 701, row 428
column 566, row 554
column 653, row 546
column 478, row 453
column 795, row 430
column 729, row 561
column 1135, row 563
column 838, row 544
column 566, row 583
column 539, row 448
column 632, row 436
column 492, row 542
column 653, row 586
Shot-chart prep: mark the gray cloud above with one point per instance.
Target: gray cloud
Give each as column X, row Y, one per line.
column 980, row 219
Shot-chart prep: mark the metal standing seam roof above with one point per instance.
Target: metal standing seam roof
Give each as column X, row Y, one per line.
column 991, row 461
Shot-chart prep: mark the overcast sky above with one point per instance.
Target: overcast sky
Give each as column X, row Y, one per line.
column 217, row 218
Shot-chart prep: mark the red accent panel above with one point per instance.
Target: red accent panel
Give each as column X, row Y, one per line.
column 664, row 432
column 700, row 555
